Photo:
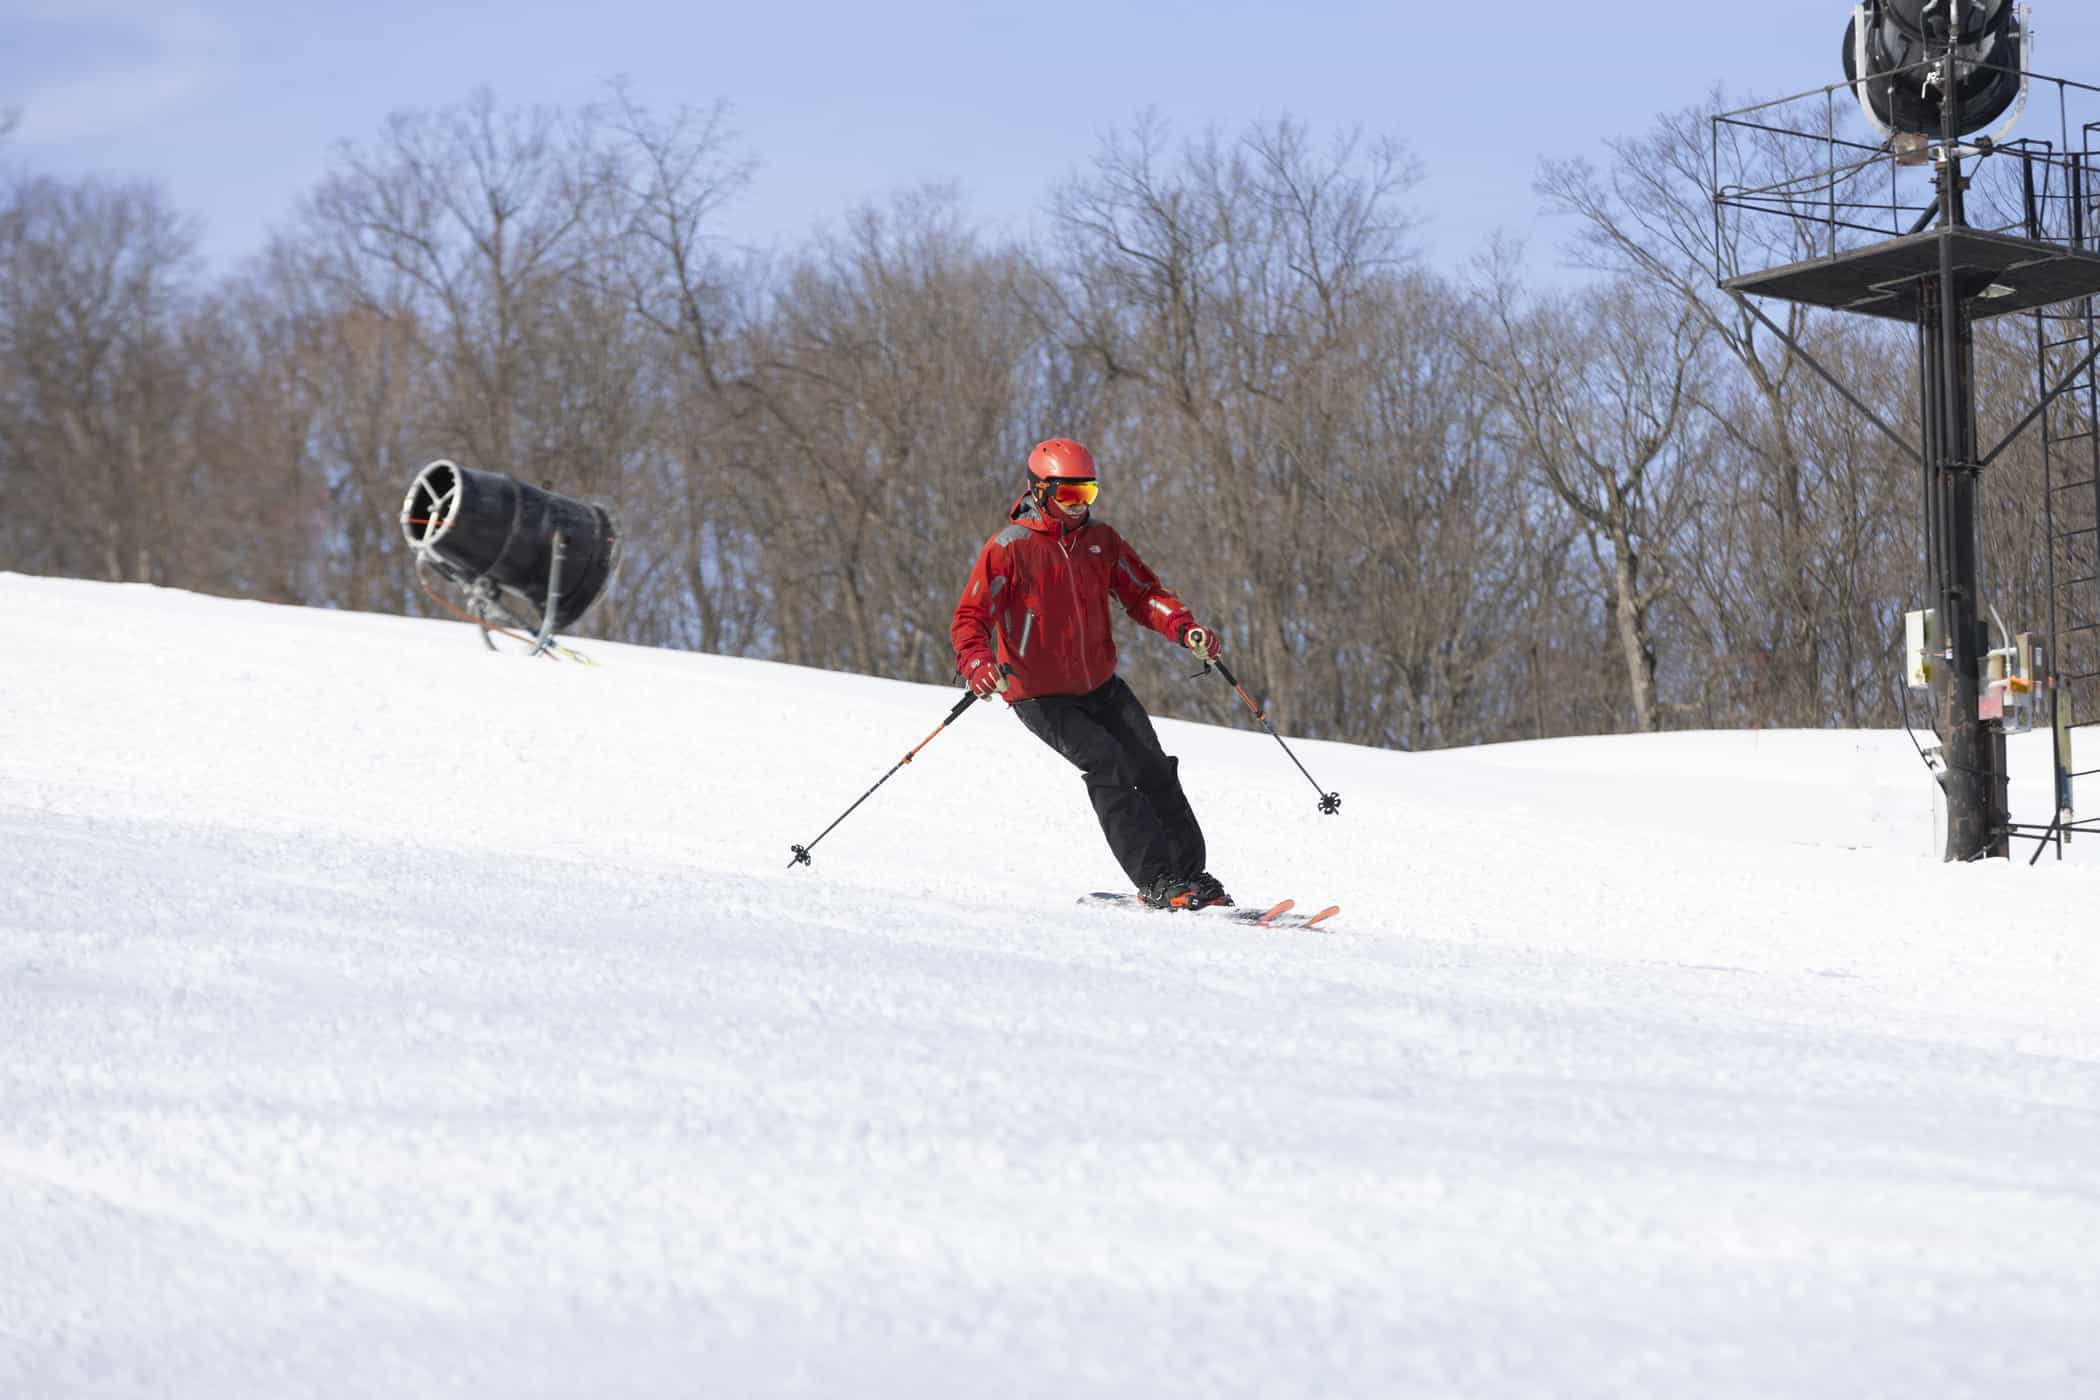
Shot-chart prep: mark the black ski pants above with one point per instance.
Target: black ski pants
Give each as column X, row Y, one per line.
column 1135, row 786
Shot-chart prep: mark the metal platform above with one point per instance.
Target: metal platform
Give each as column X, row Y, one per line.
column 1995, row 273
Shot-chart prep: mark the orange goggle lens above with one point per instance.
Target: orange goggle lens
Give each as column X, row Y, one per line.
column 1075, row 493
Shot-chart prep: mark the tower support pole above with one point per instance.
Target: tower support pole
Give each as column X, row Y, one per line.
column 1975, row 781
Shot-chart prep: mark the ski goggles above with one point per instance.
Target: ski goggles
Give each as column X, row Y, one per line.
column 1072, row 493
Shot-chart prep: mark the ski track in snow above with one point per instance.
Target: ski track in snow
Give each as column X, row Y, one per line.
column 382, row 1016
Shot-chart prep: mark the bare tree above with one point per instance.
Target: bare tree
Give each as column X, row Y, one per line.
column 470, row 223
column 94, row 282
column 1414, row 509
column 1597, row 390
column 454, row 271
column 691, row 293
column 1648, row 216
column 886, row 370
column 1231, row 297
column 1417, row 536
column 263, row 523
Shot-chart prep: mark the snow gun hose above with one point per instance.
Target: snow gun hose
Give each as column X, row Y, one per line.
column 1330, row 802
column 801, row 856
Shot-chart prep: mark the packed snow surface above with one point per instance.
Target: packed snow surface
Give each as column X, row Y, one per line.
column 383, row 1016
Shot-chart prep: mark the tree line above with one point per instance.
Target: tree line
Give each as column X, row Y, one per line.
column 1425, row 508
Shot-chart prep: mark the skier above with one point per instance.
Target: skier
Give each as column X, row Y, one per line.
column 1033, row 624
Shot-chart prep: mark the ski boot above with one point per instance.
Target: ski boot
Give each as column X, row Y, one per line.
column 1168, row 892
column 1206, row 890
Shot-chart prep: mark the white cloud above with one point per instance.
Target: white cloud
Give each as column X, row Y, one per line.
column 173, row 66
column 106, row 104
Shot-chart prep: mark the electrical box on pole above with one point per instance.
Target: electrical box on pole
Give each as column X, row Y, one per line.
column 1921, row 647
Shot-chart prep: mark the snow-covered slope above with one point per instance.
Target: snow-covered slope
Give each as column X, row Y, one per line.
column 382, row 1016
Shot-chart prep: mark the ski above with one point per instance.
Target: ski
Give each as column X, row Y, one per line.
column 1297, row 920
column 1238, row 914
column 1265, row 918
column 1278, row 915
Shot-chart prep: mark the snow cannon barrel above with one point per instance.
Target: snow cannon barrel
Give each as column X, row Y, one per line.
column 476, row 525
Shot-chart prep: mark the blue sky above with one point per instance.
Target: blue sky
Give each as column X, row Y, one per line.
column 233, row 106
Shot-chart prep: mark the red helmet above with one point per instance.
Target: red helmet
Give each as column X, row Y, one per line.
column 1061, row 459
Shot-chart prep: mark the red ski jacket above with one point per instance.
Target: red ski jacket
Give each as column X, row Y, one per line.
column 1037, row 600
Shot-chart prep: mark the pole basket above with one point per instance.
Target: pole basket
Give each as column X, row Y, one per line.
column 514, row 553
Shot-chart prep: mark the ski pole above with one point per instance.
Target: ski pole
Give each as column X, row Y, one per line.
column 801, row 856
column 1330, row 802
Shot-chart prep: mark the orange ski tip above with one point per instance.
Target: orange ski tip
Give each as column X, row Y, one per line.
column 1268, row 914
